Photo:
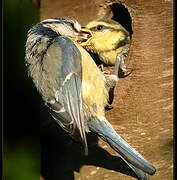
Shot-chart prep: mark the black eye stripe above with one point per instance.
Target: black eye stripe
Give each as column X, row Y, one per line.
column 97, row 28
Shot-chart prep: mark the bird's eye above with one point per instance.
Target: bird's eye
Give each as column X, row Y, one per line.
column 99, row 27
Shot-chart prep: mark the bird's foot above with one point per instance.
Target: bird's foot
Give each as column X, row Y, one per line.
column 108, row 107
column 119, row 65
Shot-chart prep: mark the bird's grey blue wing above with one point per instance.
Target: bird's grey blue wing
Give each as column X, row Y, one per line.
column 66, row 106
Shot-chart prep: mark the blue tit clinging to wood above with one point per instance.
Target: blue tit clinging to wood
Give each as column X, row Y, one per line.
column 73, row 87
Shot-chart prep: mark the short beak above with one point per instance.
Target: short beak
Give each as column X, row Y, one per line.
column 87, row 35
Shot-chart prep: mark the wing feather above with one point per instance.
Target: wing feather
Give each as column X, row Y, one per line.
column 67, row 106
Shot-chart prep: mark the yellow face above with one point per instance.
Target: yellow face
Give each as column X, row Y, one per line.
column 108, row 37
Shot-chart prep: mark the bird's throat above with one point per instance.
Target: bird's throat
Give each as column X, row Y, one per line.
column 109, row 57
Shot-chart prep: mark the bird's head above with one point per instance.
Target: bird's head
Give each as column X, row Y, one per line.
column 41, row 35
column 108, row 36
column 67, row 27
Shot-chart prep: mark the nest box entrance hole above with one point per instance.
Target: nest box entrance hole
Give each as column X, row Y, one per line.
column 121, row 14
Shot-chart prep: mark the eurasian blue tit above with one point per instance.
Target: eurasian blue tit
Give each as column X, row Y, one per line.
column 110, row 41
column 73, row 87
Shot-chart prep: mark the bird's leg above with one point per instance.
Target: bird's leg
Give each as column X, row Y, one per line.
column 111, row 81
column 119, row 71
column 119, row 65
column 113, row 78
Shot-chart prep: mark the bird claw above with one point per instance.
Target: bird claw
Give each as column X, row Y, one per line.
column 108, row 107
column 105, row 72
column 101, row 67
column 123, row 74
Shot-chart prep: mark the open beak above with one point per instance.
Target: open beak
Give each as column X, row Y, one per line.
column 85, row 37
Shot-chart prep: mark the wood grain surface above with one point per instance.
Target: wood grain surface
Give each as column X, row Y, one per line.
column 143, row 104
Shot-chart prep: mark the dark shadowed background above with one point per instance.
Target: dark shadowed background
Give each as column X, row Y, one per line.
column 21, row 144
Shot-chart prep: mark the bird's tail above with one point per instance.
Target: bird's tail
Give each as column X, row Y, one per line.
column 136, row 162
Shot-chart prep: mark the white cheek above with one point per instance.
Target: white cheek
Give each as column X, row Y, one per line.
column 77, row 26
